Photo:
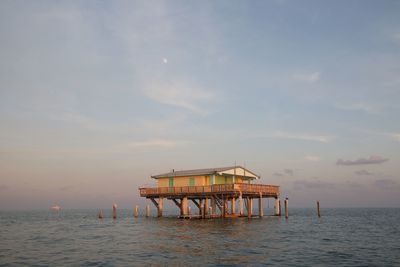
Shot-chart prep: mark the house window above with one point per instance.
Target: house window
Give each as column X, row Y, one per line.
column 191, row 181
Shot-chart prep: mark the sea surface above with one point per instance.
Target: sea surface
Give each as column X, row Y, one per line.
column 341, row 237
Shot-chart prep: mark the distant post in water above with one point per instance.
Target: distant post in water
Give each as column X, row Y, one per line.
column 318, row 211
column 136, row 212
column 286, row 208
column 148, row 211
column 114, row 211
column 100, row 215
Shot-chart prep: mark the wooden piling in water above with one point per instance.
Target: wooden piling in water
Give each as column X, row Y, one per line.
column 136, row 212
column 100, row 215
column 318, row 210
column 280, row 208
column 260, row 207
column 114, row 207
column 286, row 208
column 277, row 207
column 148, row 211
column 240, row 204
column 249, row 207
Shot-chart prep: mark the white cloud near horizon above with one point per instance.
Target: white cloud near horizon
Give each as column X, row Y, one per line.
column 304, row 137
column 307, row 77
column 312, row 158
column 180, row 95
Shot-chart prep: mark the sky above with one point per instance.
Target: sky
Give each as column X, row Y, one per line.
column 97, row 96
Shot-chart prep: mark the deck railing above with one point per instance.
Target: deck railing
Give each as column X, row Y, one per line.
column 218, row 188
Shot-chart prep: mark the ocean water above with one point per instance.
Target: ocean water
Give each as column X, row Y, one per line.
column 341, row 237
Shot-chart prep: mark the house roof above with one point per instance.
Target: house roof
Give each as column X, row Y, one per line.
column 240, row 171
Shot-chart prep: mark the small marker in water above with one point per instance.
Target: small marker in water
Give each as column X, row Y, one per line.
column 100, row 215
column 114, row 211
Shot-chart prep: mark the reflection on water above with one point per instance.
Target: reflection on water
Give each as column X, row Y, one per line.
column 340, row 237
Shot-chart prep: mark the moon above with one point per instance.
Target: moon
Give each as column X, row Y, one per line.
column 165, row 60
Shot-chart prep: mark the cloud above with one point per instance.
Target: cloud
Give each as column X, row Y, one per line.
column 362, row 161
column 385, row 183
column 180, row 95
column 277, row 174
column 304, row 137
column 307, row 77
column 154, row 143
column 363, row 172
column 312, row 158
column 312, row 184
column 358, row 107
column 288, row 172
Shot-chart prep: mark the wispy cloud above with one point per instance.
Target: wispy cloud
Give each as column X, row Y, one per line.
column 312, row 158
column 363, row 172
column 312, row 184
column 180, row 95
column 278, row 174
column 386, row 184
column 362, row 161
column 163, row 143
column 358, row 107
column 304, row 137
column 307, row 77
column 289, row 172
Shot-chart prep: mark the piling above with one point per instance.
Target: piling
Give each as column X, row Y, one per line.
column 136, row 212
column 286, row 208
column 148, row 211
column 260, row 207
column 240, row 204
column 277, row 207
column 160, row 207
column 100, row 215
column 249, row 207
column 318, row 211
column 233, row 206
column 114, row 207
column 280, row 208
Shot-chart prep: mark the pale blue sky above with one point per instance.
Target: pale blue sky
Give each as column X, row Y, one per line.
column 96, row 96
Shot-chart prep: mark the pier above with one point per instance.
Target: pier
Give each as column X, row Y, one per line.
column 215, row 201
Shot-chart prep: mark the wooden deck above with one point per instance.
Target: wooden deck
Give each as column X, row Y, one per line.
column 246, row 190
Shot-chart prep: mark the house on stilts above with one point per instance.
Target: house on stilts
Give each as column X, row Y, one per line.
column 217, row 192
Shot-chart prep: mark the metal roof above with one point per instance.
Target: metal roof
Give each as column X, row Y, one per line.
column 208, row 171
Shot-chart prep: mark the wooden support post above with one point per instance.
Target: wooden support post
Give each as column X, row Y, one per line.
column 184, row 206
column 148, row 211
column 318, row 211
column 206, row 207
column 249, row 207
column 277, row 207
column 233, row 206
column 160, row 207
column 213, row 206
column 178, row 204
column 280, row 208
column 260, row 206
column 136, row 212
column 100, row 215
column 114, row 211
column 202, row 208
column 223, row 207
column 286, row 208
column 240, row 204
column 196, row 203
